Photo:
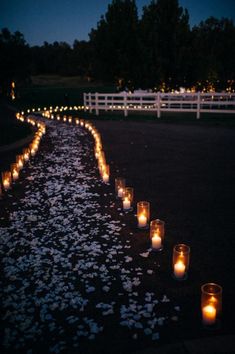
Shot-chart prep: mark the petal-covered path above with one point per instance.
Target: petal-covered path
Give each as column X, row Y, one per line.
column 71, row 281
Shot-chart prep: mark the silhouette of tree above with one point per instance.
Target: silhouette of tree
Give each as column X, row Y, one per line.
column 14, row 59
column 115, row 42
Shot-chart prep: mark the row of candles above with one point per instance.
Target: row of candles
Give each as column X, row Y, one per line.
column 52, row 109
column 211, row 293
column 8, row 177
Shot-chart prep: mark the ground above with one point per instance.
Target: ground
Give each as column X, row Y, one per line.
column 187, row 173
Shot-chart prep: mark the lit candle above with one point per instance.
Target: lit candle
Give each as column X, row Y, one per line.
column 156, row 241
column 179, row 269
column 105, row 178
column 15, row 175
column 126, row 204
column 26, row 156
column 120, row 192
column 142, row 220
column 6, row 184
column 209, row 315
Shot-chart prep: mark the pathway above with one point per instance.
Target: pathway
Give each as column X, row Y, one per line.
column 69, row 279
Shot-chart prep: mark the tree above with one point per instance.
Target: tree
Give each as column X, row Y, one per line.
column 214, row 50
column 165, row 35
column 14, row 59
column 81, row 58
column 115, row 42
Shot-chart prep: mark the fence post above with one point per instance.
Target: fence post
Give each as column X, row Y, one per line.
column 89, row 102
column 96, row 104
column 158, row 105
column 125, row 104
column 105, row 103
column 198, row 104
column 84, row 101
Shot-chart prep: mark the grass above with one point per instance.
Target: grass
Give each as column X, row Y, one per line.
column 52, row 90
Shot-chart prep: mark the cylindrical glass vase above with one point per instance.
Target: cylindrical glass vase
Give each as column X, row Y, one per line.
column 143, row 214
column 157, row 233
column 181, row 254
column 120, row 184
column 211, row 304
column 127, row 198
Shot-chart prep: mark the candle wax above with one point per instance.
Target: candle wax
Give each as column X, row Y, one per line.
column 15, row 175
column 142, row 220
column 179, row 269
column 105, row 178
column 209, row 315
column 156, row 241
column 120, row 192
column 126, row 204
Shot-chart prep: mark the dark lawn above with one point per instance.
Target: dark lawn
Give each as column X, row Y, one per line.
column 187, row 172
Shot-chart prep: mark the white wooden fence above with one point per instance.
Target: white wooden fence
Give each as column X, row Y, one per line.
column 161, row 102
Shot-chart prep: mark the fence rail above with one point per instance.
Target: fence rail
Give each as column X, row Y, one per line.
column 160, row 102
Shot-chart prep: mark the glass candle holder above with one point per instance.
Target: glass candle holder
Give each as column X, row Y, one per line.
column 64, row 118
column 20, row 161
column 33, row 147
column 127, row 198
column 6, row 180
column 14, row 171
column 120, row 184
column 143, row 214
column 26, row 154
column 181, row 255
column 82, row 123
column 211, row 304
column 157, row 233
column 105, row 174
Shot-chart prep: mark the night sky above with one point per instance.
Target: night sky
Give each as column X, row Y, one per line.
column 67, row 20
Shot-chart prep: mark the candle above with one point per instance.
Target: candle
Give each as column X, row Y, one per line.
column 209, row 315
column 126, row 204
column 120, row 192
column 156, row 241
column 105, row 178
column 142, row 220
column 211, row 303
column 6, row 184
column 15, row 175
column 26, row 156
column 157, row 232
column 179, row 270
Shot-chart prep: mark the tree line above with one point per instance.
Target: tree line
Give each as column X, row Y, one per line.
column 157, row 50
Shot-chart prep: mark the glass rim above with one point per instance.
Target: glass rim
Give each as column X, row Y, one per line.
column 217, row 286
column 183, row 245
column 143, row 203
column 159, row 221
